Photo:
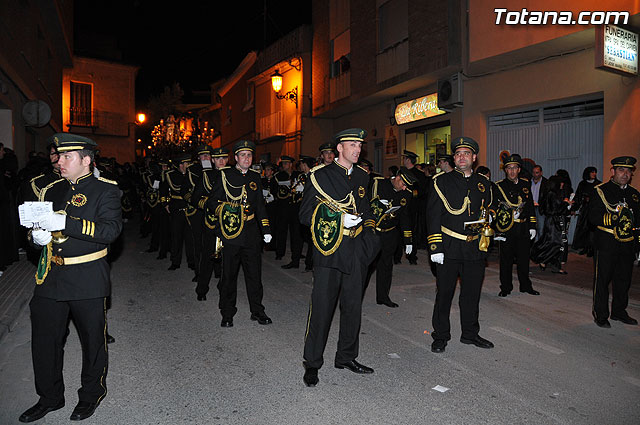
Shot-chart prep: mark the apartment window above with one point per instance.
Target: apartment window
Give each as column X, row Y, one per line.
column 341, row 54
column 80, row 104
column 250, row 97
column 392, row 23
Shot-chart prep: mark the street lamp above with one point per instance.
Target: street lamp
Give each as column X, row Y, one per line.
column 141, row 118
column 276, row 84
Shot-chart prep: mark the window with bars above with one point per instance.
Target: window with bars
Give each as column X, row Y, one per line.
column 80, row 104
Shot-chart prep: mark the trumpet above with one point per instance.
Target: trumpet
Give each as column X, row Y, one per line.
column 217, row 253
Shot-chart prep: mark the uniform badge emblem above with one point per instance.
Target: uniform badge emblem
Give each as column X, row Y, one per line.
column 253, row 186
column 403, row 202
column 480, row 187
column 361, row 191
column 525, row 190
column 78, row 200
column 635, row 197
column 433, row 247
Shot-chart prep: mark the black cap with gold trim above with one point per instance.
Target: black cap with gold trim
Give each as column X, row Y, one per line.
column 285, row 158
column 624, row 161
column 327, row 147
column 244, row 145
column 351, row 135
column 181, row 157
column 366, row 163
column 66, row 142
column 409, row 154
column 203, row 149
column 464, row 142
column 220, row 153
column 407, row 176
column 513, row 159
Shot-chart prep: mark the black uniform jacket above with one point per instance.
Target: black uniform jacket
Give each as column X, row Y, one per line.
column 232, row 180
column 608, row 222
column 30, row 191
column 337, row 183
column 511, row 194
column 201, row 193
column 171, row 190
column 284, row 194
column 94, row 220
column 382, row 188
column 447, row 196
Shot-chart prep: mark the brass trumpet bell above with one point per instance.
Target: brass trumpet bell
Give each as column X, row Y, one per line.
column 58, row 237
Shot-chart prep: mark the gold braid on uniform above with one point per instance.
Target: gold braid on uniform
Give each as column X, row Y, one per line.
column 345, row 203
column 445, row 202
column 511, row 204
column 226, row 183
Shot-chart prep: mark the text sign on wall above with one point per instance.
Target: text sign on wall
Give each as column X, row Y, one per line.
column 617, row 49
column 417, row 109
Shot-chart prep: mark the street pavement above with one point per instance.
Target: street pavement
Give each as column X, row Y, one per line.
column 172, row 363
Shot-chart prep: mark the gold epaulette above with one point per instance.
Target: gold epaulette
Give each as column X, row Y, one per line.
column 436, row 175
column 317, row 167
column 522, row 178
column 102, row 179
column 361, row 168
column 226, row 167
column 255, row 171
column 378, row 178
column 499, row 181
column 44, row 189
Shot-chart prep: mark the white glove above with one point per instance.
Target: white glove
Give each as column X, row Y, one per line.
column 532, row 233
column 408, row 249
column 500, row 239
column 96, row 172
column 269, row 198
column 437, row 258
column 350, row 220
column 53, row 222
column 516, row 215
column 299, row 188
column 384, row 202
column 41, row 237
column 267, row 238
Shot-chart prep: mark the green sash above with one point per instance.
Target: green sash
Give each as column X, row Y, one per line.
column 231, row 216
column 623, row 230
column 326, row 229
column 504, row 218
column 44, row 264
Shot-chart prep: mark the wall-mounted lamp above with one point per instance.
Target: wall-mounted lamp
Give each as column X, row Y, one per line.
column 276, row 84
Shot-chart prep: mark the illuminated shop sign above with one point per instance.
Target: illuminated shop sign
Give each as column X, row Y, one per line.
column 418, row 109
column 617, row 49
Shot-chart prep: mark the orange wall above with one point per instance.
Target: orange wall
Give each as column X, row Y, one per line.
column 486, row 39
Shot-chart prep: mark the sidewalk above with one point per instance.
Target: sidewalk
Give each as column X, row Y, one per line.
column 16, row 288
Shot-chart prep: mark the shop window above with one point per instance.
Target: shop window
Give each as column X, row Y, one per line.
column 80, row 104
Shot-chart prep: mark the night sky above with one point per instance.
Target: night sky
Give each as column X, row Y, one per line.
column 191, row 42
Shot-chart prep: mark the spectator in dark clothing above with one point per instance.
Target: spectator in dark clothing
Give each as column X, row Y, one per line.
column 583, row 236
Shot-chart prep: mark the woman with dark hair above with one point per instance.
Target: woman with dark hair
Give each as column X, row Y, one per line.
column 583, row 237
column 551, row 249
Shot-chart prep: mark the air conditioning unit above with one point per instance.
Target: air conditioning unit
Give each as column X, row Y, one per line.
column 450, row 92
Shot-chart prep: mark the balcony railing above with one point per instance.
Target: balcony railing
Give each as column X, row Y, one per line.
column 105, row 122
column 340, row 86
column 271, row 125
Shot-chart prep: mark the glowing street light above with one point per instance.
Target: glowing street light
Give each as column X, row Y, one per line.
column 141, row 118
column 276, row 81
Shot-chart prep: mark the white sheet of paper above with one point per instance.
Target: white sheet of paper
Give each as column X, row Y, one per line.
column 284, row 183
column 440, row 388
column 32, row 211
column 156, row 184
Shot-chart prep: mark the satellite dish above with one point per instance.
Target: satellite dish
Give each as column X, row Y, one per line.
column 36, row 113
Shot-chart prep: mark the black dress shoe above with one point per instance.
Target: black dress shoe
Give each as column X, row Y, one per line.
column 478, row 341
column 38, row 411
column 202, row 297
column 627, row 320
column 227, row 322
column 413, row 262
column 603, row 323
column 389, row 303
column 278, row 257
column 530, row 291
column 151, row 250
column 174, row 267
column 354, row 367
column 503, row 293
column 308, row 269
column 262, row 318
column 191, row 266
column 437, row 346
column 161, row 257
column 397, row 262
column 291, row 265
column 310, row 377
column 194, row 278
column 83, row 410
column 110, row 339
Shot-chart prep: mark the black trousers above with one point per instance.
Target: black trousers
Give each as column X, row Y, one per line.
column 208, row 264
column 165, row 232
column 234, row 256
column 196, row 224
column 471, row 276
column 49, row 325
column 615, row 265
column 288, row 222
column 155, row 219
column 181, row 235
column 329, row 286
column 383, row 266
column 516, row 247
